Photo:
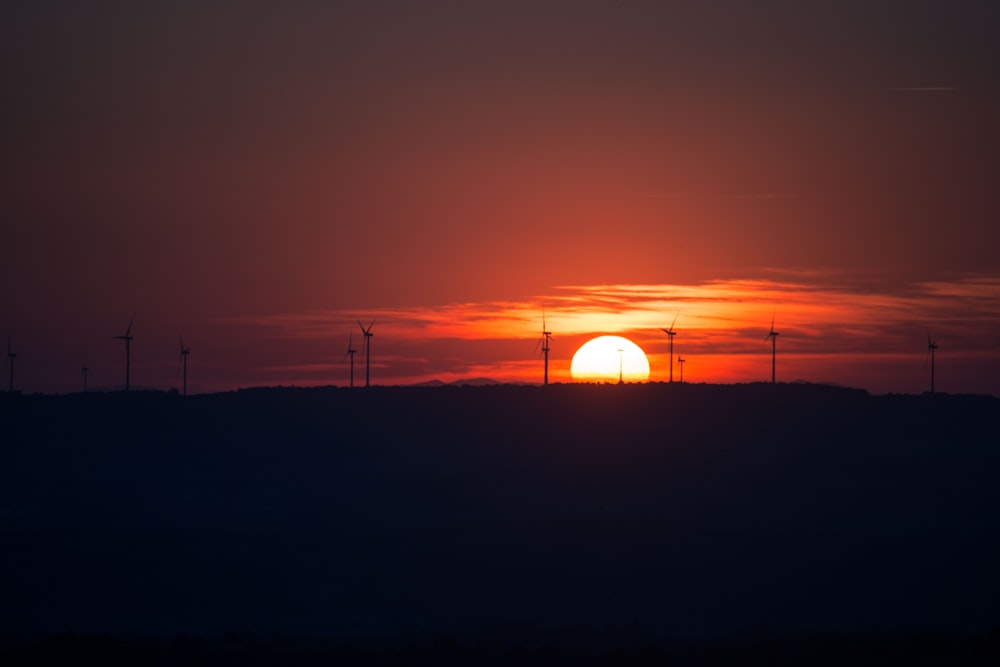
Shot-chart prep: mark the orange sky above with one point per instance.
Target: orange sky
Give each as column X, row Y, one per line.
column 258, row 177
column 828, row 333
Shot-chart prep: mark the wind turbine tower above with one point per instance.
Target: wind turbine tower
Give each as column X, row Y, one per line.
column 350, row 353
column 680, row 362
column 671, row 333
column 368, row 350
column 11, row 356
column 544, row 341
column 128, row 340
column 83, row 372
column 932, row 346
column 620, row 351
column 184, row 359
column 773, row 335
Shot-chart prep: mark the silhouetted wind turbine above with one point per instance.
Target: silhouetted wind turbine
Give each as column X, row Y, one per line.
column 620, row 352
column 932, row 346
column 83, row 371
column 544, row 342
column 773, row 335
column 184, row 359
column 671, row 333
column 350, row 353
column 368, row 350
column 680, row 362
column 11, row 356
column 128, row 340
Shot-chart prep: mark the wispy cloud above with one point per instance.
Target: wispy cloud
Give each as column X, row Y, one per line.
column 825, row 321
column 924, row 89
column 761, row 196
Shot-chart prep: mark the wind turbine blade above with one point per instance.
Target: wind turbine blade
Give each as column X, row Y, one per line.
column 129, row 329
column 674, row 322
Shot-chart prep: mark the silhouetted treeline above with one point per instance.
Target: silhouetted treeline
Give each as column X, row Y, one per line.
column 693, row 513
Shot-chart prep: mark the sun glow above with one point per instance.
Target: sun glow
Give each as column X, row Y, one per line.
column 609, row 359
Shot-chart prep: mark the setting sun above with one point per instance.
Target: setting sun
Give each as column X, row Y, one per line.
column 610, row 359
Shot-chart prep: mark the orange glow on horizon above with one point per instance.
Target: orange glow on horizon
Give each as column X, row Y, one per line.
column 844, row 334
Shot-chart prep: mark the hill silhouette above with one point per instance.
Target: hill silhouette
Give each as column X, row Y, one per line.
column 462, row 382
column 662, row 511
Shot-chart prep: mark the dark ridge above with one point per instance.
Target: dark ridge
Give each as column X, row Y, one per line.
column 464, row 382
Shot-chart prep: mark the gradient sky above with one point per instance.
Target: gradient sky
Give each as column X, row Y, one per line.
column 258, row 176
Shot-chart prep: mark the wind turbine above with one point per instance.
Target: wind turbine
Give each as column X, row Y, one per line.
column 680, row 362
column 773, row 335
column 620, row 351
column 184, row 358
column 11, row 356
column 368, row 350
column 350, row 353
column 932, row 346
column 671, row 333
column 83, row 371
column 128, row 340
column 544, row 342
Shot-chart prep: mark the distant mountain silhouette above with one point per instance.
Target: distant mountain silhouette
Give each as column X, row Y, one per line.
column 431, row 383
column 464, row 382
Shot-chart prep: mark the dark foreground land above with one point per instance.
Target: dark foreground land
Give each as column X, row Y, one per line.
column 635, row 524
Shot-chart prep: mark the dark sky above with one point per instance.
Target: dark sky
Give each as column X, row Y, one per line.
column 199, row 163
